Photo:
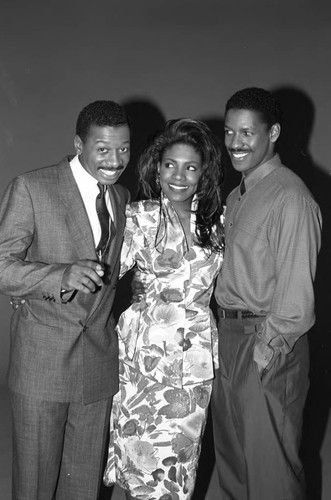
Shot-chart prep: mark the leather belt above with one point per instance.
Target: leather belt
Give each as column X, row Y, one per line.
column 237, row 314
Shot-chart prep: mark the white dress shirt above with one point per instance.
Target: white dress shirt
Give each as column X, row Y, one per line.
column 88, row 187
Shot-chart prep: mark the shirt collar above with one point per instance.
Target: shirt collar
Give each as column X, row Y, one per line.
column 86, row 182
column 262, row 171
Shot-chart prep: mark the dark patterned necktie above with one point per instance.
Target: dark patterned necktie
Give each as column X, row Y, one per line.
column 242, row 187
column 103, row 216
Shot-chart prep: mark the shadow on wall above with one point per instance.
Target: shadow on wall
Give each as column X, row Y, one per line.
column 145, row 119
column 298, row 121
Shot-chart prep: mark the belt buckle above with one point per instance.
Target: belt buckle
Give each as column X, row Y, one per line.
column 228, row 313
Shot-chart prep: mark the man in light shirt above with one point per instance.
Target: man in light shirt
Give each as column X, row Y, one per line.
column 63, row 366
column 265, row 303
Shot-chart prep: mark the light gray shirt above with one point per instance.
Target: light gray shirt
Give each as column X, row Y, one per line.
column 273, row 235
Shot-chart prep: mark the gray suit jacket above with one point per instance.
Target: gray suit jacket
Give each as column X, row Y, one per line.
column 60, row 351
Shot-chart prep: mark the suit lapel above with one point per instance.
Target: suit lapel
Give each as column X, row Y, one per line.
column 119, row 223
column 77, row 220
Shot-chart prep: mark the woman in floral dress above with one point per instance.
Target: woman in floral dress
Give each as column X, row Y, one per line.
column 168, row 341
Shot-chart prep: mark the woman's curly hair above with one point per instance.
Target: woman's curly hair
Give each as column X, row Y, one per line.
column 209, row 228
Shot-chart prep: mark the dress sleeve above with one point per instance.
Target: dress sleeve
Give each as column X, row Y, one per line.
column 131, row 236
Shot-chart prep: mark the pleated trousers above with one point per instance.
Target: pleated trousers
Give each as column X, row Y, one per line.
column 257, row 418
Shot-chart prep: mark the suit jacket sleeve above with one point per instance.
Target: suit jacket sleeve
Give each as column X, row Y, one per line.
column 19, row 276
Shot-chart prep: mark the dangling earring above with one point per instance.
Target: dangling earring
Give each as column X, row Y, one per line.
column 157, row 180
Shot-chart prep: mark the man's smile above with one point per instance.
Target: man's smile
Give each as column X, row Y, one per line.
column 239, row 155
column 110, row 172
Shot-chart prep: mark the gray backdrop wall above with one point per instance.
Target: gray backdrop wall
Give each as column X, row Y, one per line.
column 162, row 59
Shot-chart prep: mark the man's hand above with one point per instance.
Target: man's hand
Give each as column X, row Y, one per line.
column 262, row 355
column 84, row 275
column 138, row 286
column 265, row 355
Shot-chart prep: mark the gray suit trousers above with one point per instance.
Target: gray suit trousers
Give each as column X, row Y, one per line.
column 58, row 448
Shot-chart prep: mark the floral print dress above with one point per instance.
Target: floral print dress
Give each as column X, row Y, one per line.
column 168, row 352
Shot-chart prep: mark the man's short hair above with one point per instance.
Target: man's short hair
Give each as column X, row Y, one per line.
column 102, row 114
column 259, row 100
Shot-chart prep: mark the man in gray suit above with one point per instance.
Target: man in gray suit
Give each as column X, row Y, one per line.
column 63, row 366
